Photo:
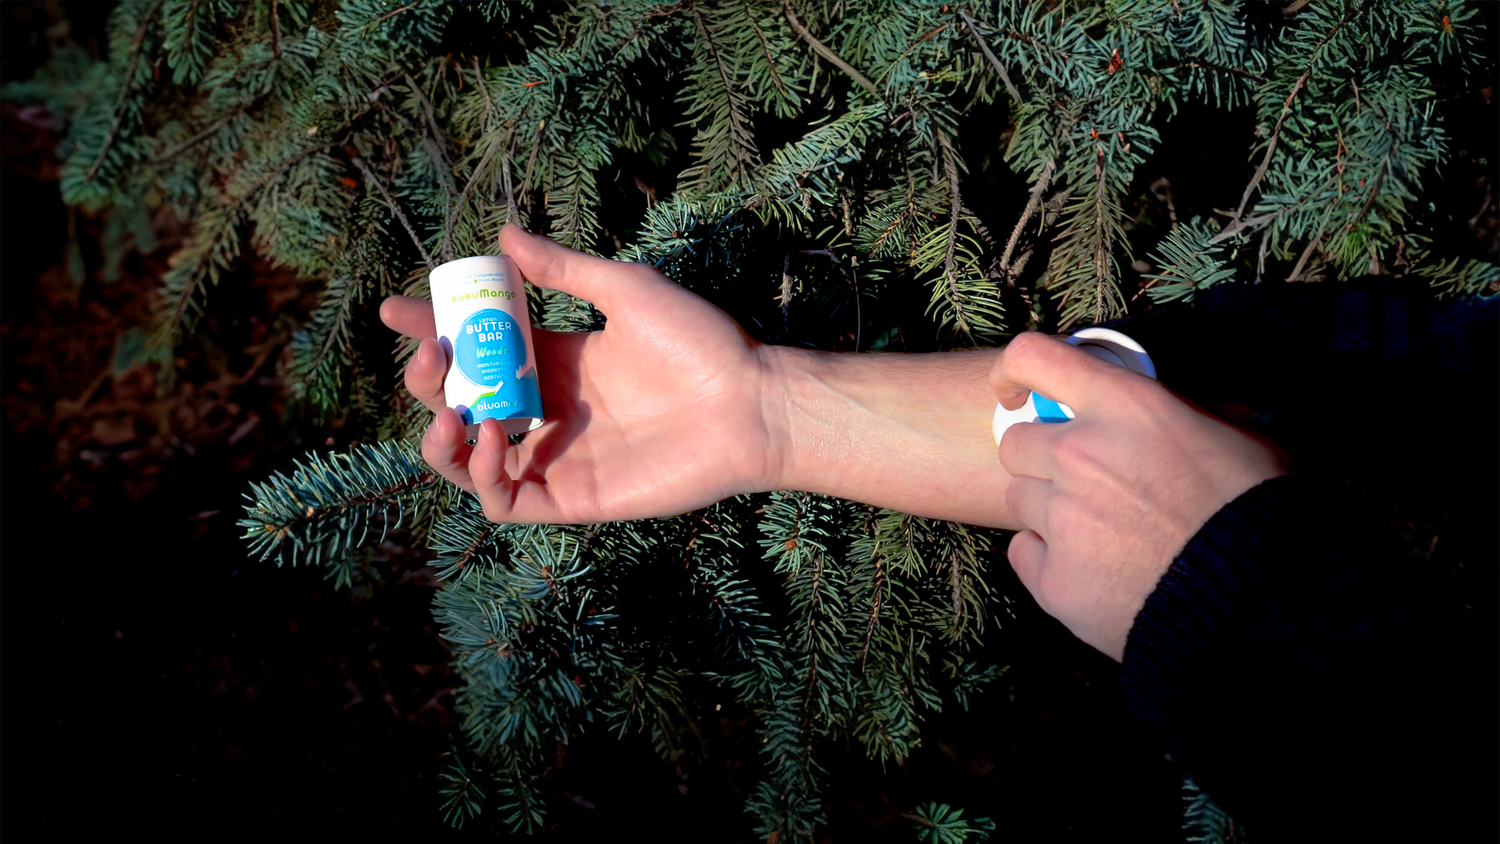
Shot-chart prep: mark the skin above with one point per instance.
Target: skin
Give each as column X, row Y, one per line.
column 1111, row 498
column 673, row 407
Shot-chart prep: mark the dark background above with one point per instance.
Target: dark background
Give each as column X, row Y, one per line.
column 157, row 679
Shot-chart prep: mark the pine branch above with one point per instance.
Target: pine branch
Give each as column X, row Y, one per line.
column 436, row 145
column 395, row 209
column 322, row 513
column 463, row 197
column 989, row 54
column 135, row 56
column 821, row 49
column 1033, row 204
column 1286, row 108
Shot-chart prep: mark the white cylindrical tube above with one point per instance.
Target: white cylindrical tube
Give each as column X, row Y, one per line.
column 479, row 305
column 1107, row 345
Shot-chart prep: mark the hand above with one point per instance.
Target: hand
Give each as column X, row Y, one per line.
column 658, row 414
column 1111, row 497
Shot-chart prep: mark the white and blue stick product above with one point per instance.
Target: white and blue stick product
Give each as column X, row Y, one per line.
column 1105, row 344
column 479, row 305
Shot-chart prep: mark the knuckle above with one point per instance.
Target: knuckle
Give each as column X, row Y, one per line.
column 1070, row 451
column 491, row 508
column 1023, row 349
column 1010, row 443
column 997, row 369
column 1014, row 497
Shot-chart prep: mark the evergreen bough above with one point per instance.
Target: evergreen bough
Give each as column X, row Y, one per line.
column 359, row 143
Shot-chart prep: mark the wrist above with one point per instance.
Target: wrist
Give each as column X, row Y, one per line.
column 906, row 431
column 782, row 370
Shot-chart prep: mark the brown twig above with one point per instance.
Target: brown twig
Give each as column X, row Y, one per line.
column 190, row 142
column 821, row 49
column 435, row 143
column 396, row 209
column 999, row 68
column 1286, row 108
column 468, row 188
column 135, row 57
column 1311, row 245
column 1032, row 206
column 275, row 32
column 489, row 106
column 383, row 18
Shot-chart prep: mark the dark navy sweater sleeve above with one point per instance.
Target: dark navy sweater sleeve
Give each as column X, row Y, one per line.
column 1294, row 663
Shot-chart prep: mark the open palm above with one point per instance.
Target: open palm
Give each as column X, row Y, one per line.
column 659, row 413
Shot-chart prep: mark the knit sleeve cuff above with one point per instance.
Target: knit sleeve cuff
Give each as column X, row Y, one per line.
column 1260, row 643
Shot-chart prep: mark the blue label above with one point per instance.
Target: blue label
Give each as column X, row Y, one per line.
column 489, row 348
column 490, row 351
column 1047, row 410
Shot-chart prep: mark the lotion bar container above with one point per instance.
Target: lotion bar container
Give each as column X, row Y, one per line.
column 479, row 305
column 1107, row 345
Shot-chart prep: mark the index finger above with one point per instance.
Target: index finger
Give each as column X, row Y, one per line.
column 547, row 263
column 1033, row 361
column 405, row 315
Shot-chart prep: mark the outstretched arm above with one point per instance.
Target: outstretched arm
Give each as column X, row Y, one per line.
column 673, row 407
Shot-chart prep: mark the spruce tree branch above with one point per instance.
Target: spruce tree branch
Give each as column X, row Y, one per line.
column 190, row 142
column 463, row 197
column 999, row 68
column 473, row 548
column 531, row 159
column 505, row 185
column 1286, row 108
column 955, row 203
column 387, row 16
column 1311, row 245
column 275, row 32
column 436, row 143
column 956, row 579
column 395, row 209
column 736, row 118
column 1374, row 191
column 765, row 47
column 345, row 306
column 812, row 662
column 874, row 618
column 382, row 495
column 135, row 57
column 1102, row 244
column 169, row 326
column 1239, row 71
column 1265, row 162
column 822, row 50
column 1033, row 205
column 489, row 104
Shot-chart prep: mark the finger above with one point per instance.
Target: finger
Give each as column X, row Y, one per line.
column 1028, row 555
column 1029, row 500
column 1026, row 449
column 425, row 373
column 492, row 483
column 546, row 263
column 405, row 315
column 1034, row 361
column 444, row 448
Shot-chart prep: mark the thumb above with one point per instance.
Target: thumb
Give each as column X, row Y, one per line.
column 1035, row 361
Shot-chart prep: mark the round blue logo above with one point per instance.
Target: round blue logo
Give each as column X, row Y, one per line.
column 489, row 348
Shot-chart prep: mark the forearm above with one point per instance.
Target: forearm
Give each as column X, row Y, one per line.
column 908, row 432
